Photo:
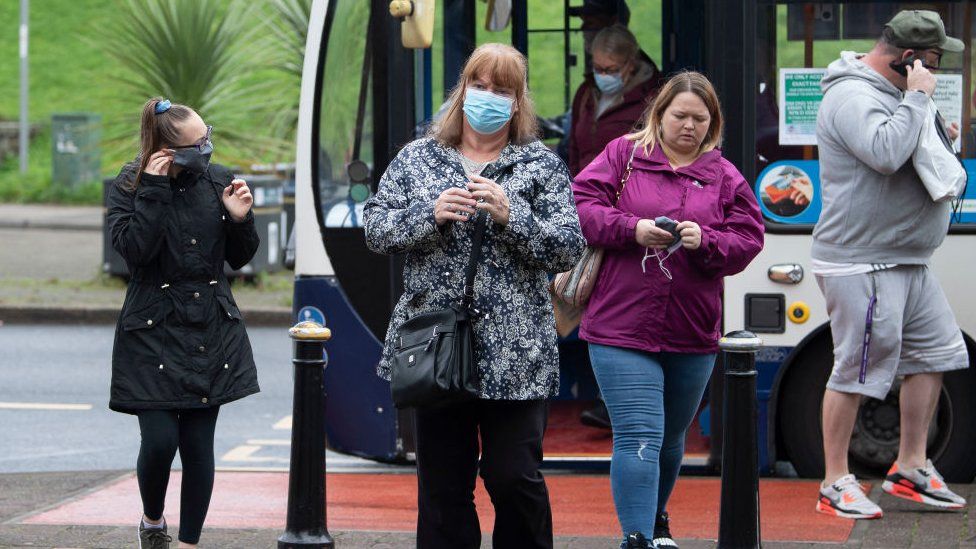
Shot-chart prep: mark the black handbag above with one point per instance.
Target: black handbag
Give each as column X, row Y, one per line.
column 433, row 361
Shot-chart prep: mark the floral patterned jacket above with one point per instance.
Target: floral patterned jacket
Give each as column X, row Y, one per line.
column 515, row 336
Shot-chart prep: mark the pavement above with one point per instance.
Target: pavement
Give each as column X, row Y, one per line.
column 50, row 216
column 99, row 509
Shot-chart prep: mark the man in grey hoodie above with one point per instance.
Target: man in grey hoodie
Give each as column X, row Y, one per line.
column 872, row 244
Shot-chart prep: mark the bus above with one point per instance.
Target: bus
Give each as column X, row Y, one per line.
column 364, row 95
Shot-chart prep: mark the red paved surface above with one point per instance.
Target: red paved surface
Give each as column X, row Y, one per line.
column 566, row 436
column 582, row 505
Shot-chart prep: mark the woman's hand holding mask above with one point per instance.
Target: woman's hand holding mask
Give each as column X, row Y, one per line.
column 160, row 162
column 237, row 199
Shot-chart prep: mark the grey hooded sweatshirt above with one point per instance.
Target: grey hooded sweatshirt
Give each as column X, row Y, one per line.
column 875, row 208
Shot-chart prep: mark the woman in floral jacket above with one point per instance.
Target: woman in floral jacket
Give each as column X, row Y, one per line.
column 483, row 155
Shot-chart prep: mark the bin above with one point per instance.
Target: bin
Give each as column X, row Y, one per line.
column 75, row 152
column 268, row 193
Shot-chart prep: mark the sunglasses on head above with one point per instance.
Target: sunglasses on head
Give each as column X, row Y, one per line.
column 200, row 143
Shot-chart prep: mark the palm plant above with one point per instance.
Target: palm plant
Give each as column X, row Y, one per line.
column 202, row 53
column 286, row 23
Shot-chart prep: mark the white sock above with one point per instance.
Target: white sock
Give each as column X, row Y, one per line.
column 161, row 525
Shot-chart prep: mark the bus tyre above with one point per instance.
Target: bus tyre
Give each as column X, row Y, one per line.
column 798, row 412
column 874, row 442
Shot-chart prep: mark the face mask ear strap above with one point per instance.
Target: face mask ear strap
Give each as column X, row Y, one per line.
column 660, row 263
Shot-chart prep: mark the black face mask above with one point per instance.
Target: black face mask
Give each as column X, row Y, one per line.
column 195, row 159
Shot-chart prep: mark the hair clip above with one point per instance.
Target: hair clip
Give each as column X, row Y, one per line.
column 163, row 106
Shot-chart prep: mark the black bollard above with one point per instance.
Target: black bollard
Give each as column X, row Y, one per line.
column 739, row 516
column 305, row 526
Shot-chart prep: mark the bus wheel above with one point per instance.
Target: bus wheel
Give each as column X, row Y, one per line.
column 874, row 443
column 798, row 413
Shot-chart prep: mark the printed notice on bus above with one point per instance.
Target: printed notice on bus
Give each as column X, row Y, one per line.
column 799, row 100
column 948, row 99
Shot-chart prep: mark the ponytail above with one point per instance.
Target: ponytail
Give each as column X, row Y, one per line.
column 159, row 128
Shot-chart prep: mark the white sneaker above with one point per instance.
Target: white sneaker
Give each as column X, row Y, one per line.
column 845, row 498
column 924, row 485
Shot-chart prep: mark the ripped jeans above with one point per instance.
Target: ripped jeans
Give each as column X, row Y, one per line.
column 652, row 399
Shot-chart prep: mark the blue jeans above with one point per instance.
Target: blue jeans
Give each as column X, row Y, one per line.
column 652, row 399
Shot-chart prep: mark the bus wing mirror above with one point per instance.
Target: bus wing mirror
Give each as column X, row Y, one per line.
column 499, row 15
column 416, row 22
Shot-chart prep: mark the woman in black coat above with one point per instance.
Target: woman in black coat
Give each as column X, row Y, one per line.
column 181, row 348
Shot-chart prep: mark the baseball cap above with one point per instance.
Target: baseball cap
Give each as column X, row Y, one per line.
column 922, row 29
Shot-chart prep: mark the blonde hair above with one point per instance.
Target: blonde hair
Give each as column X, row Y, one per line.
column 616, row 41
column 689, row 81
column 503, row 66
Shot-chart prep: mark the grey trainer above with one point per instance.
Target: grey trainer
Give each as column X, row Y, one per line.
column 153, row 538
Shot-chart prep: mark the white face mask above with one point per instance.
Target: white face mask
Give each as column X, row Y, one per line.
column 650, row 252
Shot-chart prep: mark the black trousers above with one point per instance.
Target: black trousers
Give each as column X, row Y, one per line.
column 192, row 432
column 511, row 453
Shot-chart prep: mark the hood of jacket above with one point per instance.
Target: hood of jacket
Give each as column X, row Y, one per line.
column 850, row 67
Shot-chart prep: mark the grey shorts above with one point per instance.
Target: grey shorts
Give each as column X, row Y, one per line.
column 913, row 329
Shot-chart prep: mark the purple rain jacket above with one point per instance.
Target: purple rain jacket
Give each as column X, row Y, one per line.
column 646, row 311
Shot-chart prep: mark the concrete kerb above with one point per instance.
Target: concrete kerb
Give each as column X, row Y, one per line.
column 39, row 314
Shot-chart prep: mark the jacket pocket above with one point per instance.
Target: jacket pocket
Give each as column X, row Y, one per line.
column 228, row 309
column 141, row 340
column 148, row 317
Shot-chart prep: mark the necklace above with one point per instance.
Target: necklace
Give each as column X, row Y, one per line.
column 471, row 166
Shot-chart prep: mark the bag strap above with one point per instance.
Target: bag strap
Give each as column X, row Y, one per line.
column 626, row 176
column 480, row 222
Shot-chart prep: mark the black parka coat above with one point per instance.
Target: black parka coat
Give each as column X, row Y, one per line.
column 180, row 341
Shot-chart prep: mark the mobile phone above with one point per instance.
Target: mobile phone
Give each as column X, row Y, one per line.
column 901, row 67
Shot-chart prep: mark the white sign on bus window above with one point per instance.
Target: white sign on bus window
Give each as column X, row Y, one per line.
column 948, row 99
column 799, row 100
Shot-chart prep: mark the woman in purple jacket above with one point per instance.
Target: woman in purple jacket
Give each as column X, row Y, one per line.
column 653, row 320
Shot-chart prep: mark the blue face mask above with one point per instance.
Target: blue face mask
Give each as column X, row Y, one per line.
column 609, row 83
column 485, row 111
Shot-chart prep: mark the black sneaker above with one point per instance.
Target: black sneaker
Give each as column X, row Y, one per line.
column 597, row 416
column 635, row 540
column 662, row 531
column 153, row 538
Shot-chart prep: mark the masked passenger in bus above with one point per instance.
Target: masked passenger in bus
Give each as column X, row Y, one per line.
column 611, row 100
column 181, row 348
column 674, row 218
column 482, row 155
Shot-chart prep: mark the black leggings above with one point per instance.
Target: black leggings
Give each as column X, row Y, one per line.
column 192, row 431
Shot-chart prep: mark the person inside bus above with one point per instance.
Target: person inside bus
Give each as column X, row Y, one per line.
column 608, row 104
column 483, row 154
column 674, row 218
column 181, row 348
column 611, row 100
column 871, row 250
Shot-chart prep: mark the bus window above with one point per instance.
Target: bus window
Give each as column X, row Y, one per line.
column 796, row 42
column 345, row 124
